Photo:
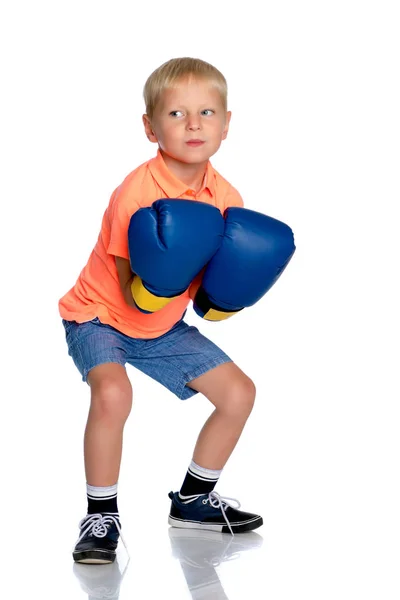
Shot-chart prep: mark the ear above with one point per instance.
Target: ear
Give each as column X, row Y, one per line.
column 148, row 129
column 227, row 121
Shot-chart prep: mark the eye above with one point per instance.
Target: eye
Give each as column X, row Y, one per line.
column 175, row 113
column 207, row 110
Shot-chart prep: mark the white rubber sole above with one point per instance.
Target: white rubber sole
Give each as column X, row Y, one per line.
column 94, row 561
column 194, row 525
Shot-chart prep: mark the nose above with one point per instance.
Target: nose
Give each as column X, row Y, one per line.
column 193, row 122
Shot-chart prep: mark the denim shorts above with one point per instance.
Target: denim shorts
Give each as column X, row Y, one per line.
column 173, row 359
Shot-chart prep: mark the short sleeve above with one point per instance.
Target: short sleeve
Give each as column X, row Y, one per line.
column 121, row 208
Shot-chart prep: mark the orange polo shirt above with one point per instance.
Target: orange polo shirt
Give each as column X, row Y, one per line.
column 97, row 291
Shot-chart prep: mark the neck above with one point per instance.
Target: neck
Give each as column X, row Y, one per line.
column 190, row 174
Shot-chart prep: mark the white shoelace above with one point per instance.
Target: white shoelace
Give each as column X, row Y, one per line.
column 217, row 501
column 98, row 526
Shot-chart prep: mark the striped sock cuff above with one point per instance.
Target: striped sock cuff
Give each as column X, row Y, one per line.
column 202, row 473
column 101, row 493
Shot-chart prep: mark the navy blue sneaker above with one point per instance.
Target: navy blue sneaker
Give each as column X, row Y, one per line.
column 211, row 511
column 98, row 540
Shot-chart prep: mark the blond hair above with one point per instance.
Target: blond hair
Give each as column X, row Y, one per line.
column 176, row 69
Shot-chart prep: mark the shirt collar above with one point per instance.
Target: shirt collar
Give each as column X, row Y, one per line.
column 172, row 186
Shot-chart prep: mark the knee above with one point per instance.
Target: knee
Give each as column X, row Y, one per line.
column 111, row 399
column 239, row 397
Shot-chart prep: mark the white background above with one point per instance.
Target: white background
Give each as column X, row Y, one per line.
column 314, row 141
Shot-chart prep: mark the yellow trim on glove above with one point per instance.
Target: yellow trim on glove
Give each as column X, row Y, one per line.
column 217, row 315
column 145, row 299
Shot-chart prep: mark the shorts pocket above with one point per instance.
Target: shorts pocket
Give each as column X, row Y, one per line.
column 67, row 324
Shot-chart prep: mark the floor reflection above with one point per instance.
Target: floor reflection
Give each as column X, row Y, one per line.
column 100, row 582
column 201, row 552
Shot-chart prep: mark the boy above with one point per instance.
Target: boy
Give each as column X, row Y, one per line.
column 186, row 115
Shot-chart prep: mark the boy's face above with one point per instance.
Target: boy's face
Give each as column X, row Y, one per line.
column 191, row 111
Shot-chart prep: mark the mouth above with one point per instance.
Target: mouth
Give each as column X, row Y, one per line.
column 195, row 143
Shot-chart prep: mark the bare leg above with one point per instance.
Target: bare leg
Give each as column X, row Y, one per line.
column 111, row 403
column 233, row 395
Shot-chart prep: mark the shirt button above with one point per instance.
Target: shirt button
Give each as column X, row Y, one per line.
column 191, row 193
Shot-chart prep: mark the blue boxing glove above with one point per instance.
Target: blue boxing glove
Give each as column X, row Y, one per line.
column 169, row 243
column 254, row 252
